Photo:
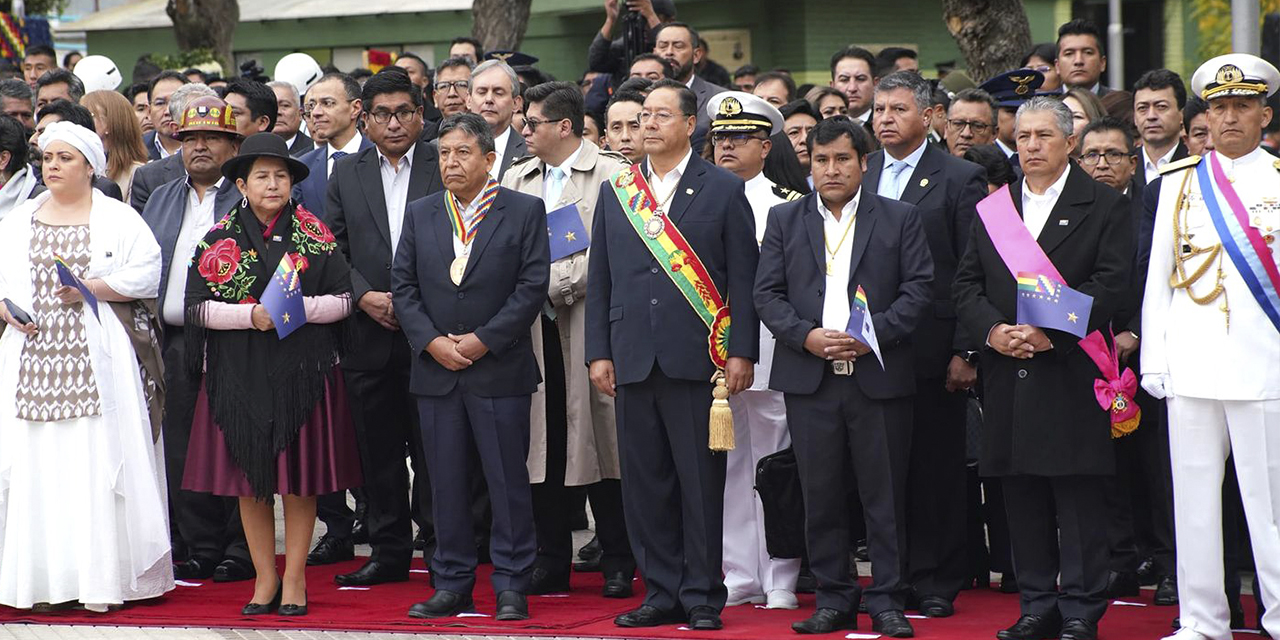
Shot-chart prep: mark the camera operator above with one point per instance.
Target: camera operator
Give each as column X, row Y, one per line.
column 638, row 19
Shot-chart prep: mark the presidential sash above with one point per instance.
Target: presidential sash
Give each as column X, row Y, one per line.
column 1242, row 242
column 669, row 247
column 1021, row 254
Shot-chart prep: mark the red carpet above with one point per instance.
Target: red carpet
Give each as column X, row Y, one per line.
column 979, row 613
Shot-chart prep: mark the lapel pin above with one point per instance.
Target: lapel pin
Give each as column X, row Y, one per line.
column 688, row 192
column 275, row 238
column 924, row 182
column 1062, row 223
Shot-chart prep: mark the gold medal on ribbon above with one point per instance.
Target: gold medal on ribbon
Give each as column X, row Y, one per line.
column 457, row 268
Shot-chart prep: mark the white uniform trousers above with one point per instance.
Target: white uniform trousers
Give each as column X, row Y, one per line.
column 759, row 429
column 1201, row 434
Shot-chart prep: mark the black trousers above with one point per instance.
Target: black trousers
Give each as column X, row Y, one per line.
column 936, row 492
column 1140, row 499
column 672, row 490
column 386, row 421
column 498, row 427
column 553, row 502
column 1055, row 528
column 208, row 526
column 839, row 433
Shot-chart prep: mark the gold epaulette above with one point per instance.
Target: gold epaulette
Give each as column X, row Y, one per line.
column 1178, row 165
column 786, row 194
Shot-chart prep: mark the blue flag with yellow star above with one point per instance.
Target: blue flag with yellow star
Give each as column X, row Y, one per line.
column 283, row 298
column 1047, row 304
column 567, row 235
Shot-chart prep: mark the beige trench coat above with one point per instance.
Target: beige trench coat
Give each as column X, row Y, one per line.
column 593, row 438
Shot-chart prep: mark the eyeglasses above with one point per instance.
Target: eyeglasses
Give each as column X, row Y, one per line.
column 738, row 139
column 326, row 104
column 462, row 86
column 405, row 116
column 1113, row 157
column 661, row 117
column 534, row 123
column 978, row 128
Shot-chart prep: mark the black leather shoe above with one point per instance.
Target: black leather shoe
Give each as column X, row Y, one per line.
column 512, row 605
column 892, row 623
column 1008, row 583
column 543, row 582
column 331, row 549
column 825, row 621
column 1147, row 575
column 1166, row 592
column 936, row 607
column 591, row 550
column 442, row 604
column 234, row 570
column 359, row 532
column 255, row 609
column 373, row 572
column 648, row 616
column 1078, row 629
column 1122, row 584
column 617, row 585
column 194, row 568
column 704, row 618
column 1033, row 627
column 419, row 541
column 294, row 609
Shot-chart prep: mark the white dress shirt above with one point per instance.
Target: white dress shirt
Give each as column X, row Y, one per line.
column 395, row 192
column 894, row 188
column 550, row 192
column 835, row 303
column 460, row 249
column 1036, row 208
column 164, row 153
column 1008, row 151
column 500, row 148
column 352, row 147
column 1153, row 169
column 197, row 219
column 664, row 187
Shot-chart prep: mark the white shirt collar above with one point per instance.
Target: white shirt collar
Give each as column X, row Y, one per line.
column 500, row 141
column 862, row 118
column 912, row 158
column 850, row 209
column 1054, row 189
column 216, row 186
column 566, row 167
column 1256, row 155
column 678, row 171
column 690, row 82
column 1008, row 152
column 289, row 142
column 352, row 146
column 1153, row 169
column 406, row 160
column 759, row 182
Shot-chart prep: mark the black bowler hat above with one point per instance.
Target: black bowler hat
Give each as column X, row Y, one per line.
column 264, row 145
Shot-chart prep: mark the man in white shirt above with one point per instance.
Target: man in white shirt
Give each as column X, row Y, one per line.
column 1158, row 99
column 495, row 96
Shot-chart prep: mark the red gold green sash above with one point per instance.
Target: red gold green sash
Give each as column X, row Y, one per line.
column 463, row 228
column 677, row 258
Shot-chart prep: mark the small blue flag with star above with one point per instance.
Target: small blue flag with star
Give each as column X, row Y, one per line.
column 567, row 234
column 1047, row 304
column 283, row 298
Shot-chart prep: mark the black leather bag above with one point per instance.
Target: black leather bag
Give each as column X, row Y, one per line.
column 778, row 485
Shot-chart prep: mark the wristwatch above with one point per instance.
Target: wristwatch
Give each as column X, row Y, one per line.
column 970, row 357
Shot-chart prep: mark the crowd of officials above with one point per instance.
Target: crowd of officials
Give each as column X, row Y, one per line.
column 758, row 331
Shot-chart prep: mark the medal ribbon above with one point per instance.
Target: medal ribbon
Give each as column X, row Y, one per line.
column 465, row 229
column 1242, row 242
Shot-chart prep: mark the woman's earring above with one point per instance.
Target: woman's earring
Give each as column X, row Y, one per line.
column 244, row 202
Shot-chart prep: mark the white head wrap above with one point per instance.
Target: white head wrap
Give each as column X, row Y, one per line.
column 85, row 141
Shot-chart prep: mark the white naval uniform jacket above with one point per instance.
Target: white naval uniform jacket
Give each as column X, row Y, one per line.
column 763, row 195
column 1192, row 343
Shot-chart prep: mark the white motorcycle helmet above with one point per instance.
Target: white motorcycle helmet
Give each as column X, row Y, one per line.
column 298, row 69
column 98, row 73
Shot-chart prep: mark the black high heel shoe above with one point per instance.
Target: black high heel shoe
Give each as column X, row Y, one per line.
column 294, row 609
column 255, row 609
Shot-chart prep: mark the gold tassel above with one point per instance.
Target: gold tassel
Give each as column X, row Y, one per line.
column 1122, row 429
column 720, row 436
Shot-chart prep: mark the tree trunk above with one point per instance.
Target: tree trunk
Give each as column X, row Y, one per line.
column 993, row 35
column 500, row 24
column 206, row 24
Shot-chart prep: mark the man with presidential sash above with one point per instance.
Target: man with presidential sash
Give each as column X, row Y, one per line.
column 1211, row 338
column 670, row 322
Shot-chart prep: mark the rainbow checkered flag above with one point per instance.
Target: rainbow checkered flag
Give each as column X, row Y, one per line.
column 1047, row 304
column 860, row 325
column 283, row 298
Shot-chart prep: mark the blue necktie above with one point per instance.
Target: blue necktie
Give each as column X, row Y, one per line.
column 335, row 157
column 554, row 186
column 889, row 184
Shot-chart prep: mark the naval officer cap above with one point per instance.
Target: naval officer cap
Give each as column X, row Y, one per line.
column 1235, row 74
column 739, row 112
column 1012, row 88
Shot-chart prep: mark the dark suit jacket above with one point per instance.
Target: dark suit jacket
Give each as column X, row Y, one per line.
column 946, row 191
column 502, row 290
column 636, row 316
column 1040, row 416
column 704, row 90
column 164, row 213
column 891, row 262
column 357, row 214
column 149, row 141
column 302, row 145
column 150, row 176
column 312, row 193
column 516, row 149
column 1140, row 175
column 431, row 131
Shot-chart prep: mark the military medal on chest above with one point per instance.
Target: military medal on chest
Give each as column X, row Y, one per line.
column 465, row 227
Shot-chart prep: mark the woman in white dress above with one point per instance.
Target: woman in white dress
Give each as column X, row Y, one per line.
column 82, row 504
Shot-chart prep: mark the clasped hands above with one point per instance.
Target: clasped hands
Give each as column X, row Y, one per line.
column 829, row 344
column 455, row 352
column 1021, row 341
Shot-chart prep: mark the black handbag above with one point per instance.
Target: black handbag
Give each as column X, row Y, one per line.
column 778, row 485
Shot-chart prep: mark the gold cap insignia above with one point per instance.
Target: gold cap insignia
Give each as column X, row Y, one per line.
column 730, row 107
column 1023, row 84
column 1228, row 74
column 502, row 56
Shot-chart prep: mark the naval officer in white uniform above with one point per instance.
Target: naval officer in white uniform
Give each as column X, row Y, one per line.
column 1211, row 339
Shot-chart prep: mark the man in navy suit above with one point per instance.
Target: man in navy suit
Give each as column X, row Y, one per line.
column 469, row 277
column 647, row 346
column 334, row 104
column 945, row 191
column 845, row 409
